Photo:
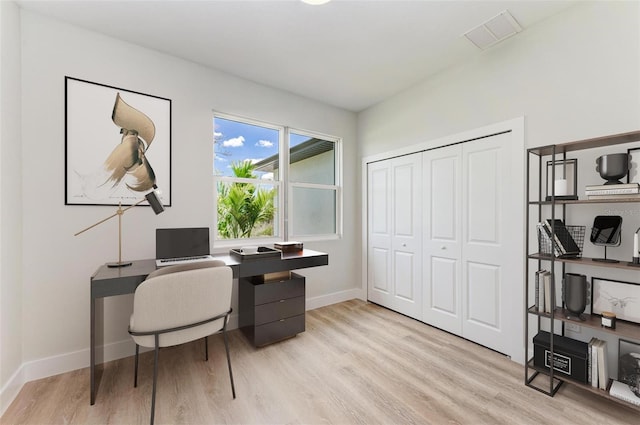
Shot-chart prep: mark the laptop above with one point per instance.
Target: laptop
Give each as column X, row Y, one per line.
column 182, row 246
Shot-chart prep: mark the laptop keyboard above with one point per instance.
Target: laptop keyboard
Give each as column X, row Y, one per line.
column 182, row 260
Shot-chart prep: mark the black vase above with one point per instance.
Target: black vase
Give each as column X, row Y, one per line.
column 574, row 292
column 613, row 167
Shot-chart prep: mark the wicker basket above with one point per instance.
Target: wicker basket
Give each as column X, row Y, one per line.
column 546, row 247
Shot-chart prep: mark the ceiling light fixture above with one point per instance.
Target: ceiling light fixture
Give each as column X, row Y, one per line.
column 316, row 2
column 496, row 29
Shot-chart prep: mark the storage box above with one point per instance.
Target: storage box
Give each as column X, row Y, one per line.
column 570, row 356
column 289, row 246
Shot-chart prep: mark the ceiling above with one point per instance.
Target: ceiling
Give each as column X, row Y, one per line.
column 346, row 53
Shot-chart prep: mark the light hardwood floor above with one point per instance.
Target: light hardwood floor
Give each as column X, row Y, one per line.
column 357, row 363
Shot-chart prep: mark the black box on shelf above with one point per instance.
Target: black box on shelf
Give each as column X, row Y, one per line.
column 570, row 356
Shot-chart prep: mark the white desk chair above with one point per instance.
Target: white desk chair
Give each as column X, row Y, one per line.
column 179, row 304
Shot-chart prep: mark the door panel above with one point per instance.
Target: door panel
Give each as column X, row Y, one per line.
column 379, row 234
column 483, row 195
column 404, row 275
column 442, row 186
column 396, row 238
column 380, row 266
column 489, row 213
column 444, row 293
column 483, row 284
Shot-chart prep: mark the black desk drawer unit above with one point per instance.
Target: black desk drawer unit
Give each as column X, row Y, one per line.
column 271, row 310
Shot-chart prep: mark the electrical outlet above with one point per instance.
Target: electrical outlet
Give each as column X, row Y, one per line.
column 573, row 327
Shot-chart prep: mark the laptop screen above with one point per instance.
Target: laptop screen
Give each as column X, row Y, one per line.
column 182, row 242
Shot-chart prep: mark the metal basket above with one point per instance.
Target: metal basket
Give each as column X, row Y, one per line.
column 546, row 247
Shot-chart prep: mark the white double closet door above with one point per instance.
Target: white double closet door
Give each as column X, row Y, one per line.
column 441, row 243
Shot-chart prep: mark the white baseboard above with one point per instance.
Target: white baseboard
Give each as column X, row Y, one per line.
column 54, row 365
column 334, row 298
column 11, row 389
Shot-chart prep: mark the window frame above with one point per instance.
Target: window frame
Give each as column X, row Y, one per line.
column 285, row 219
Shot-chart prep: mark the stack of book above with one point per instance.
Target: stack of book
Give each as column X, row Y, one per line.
column 543, row 291
column 613, row 191
column 597, row 367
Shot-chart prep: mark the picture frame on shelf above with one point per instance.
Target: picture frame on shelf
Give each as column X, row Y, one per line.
column 565, row 186
column 629, row 364
column 633, row 176
column 117, row 144
column 620, row 298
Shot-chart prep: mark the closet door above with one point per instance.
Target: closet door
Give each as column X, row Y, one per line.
column 442, row 214
column 394, row 268
column 491, row 214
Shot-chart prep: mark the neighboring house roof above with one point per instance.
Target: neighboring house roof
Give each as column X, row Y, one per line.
column 311, row 147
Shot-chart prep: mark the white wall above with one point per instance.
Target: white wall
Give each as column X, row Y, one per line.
column 573, row 76
column 55, row 328
column 10, row 205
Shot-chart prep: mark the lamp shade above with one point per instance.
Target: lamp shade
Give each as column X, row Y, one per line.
column 154, row 201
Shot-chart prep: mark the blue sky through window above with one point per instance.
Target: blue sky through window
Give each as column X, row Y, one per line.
column 238, row 141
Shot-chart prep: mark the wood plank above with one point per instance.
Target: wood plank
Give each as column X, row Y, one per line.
column 357, row 363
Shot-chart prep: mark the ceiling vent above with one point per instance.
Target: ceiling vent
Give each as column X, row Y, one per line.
column 494, row 30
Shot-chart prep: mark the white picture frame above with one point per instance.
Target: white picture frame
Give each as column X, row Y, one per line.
column 621, row 298
column 91, row 136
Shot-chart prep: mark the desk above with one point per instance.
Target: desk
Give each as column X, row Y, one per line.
column 107, row 282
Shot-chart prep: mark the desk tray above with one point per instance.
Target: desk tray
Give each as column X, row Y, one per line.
column 262, row 254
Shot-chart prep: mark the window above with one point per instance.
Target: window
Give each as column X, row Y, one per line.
column 252, row 188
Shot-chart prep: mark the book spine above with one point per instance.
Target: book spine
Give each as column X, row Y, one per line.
column 542, row 296
column 553, row 238
column 603, row 367
column 612, row 186
column 589, row 360
column 616, row 191
column 537, row 291
column 548, row 308
column 621, row 196
column 594, row 364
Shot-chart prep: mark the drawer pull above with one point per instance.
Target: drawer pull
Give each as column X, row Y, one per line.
column 282, row 320
column 281, row 301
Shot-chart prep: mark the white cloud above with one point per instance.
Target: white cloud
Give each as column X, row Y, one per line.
column 264, row 144
column 235, row 142
column 217, row 134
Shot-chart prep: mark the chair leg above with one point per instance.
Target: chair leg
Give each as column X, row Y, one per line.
column 135, row 373
column 206, row 349
column 155, row 379
column 226, row 347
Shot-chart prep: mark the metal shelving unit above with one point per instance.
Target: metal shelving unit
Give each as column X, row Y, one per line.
column 536, row 377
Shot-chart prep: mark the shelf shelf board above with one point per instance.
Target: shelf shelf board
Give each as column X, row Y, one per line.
column 620, row 200
column 587, row 387
column 596, row 142
column 622, row 330
column 584, row 261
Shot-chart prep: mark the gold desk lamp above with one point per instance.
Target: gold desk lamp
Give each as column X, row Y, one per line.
column 156, row 205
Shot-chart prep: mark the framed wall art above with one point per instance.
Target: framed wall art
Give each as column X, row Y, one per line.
column 117, row 144
column 633, row 176
column 621, row 298
column 629, row 364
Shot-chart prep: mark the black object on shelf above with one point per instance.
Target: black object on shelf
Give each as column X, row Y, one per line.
column 263, row 253
column 606, row 232
column 571, row 237
column 570, row 356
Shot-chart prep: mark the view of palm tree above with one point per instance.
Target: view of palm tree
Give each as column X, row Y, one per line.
column 245, row 209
